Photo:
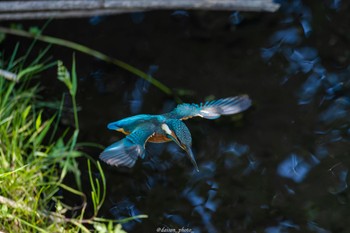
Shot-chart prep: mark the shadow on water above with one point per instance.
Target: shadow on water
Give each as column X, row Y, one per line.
column 282, row 166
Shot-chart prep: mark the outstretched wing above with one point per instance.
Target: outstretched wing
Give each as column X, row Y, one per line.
column 128, row 124
column 212, row 109
column 126, row 151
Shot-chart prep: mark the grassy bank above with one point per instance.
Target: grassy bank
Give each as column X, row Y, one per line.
column 34, row 159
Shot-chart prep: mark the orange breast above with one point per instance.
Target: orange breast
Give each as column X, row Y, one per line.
column 158, row 138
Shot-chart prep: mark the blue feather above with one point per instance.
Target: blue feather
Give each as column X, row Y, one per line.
column 129, row 122
column 126, row 151
column 212, row 109
column 122, row 153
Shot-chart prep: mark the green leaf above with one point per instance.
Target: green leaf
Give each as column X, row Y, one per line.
column 30, row 70
column 4, row 210
column 74, row 139
column 26, row 112
column 100, row 228
column 13, row 57
column 44, row 130
column 118, row 229
column 35, row 31
column 38, row 122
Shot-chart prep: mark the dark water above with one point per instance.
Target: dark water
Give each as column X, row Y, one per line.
column 282, row 166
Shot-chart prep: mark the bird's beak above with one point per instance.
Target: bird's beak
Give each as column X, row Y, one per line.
column 193, row 160
column 174, row 138
column 188, row 151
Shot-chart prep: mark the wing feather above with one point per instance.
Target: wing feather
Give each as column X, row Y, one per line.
column 126, row 151
column 212, row 109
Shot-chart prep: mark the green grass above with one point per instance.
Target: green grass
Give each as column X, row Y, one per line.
column 34, row 160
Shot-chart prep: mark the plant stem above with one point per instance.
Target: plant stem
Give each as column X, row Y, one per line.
column 91, row 52
column 76, row 121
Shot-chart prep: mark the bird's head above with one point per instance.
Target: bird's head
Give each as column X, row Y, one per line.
column 177, row 131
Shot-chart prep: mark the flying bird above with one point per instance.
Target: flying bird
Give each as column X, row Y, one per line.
column 143, row 128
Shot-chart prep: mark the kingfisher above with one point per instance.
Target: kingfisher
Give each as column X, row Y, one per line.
column 144, row 128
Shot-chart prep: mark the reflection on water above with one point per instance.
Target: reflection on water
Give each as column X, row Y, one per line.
column 282, row 166
column 340, row 176
column 141, row 88
column 125, row 209
column 235, row 18
column 295, row 168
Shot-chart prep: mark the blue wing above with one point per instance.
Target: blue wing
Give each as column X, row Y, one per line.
column 126, row 151
column 212, row 109
column 128, row 124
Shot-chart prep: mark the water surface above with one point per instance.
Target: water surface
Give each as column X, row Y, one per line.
column 281, row 166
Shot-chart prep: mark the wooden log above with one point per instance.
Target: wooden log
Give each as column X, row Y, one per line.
column 11, row 10
column 60, row 14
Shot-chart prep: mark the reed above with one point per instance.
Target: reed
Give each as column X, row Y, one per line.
column 34, row 159
column 89, row 51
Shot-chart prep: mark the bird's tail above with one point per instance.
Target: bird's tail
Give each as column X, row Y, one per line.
column 232, row 105
column 123, row 153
